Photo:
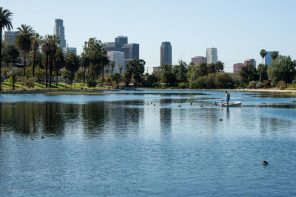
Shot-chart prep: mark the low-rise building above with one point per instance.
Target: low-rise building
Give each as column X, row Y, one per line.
column 198, row 60
column 237, row 67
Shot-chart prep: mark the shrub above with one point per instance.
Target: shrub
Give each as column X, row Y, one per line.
column 259, row 84
column 266, row 84
column 281, row 85
column 183, row 85
column 91, row 84
column 252, row 84
column 28, row 82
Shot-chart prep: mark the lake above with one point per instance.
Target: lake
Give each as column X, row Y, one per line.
column 147, row 143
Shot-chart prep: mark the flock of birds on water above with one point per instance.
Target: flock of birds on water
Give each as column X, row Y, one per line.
column 263, row 162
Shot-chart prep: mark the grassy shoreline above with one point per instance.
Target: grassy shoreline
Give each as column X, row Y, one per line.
column 100, row 90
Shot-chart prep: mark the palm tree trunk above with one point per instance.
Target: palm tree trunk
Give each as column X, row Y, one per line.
column 34, row 62
column 25, row 64
column 103, row 74
column 46, row 71
column 57, row 78
column 50, row 71
column 84, row 72
column 0, row 59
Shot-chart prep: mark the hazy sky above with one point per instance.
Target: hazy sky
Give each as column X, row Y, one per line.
column 238, row 28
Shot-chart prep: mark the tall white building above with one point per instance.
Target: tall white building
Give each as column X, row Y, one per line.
column 117, row 62
column 59, row 31
column 212, row 56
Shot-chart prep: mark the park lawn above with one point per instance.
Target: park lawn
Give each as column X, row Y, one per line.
column 7, row 86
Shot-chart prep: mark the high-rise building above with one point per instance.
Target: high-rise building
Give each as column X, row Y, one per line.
column 198, row 60
column 117, row 62
column 212, row 55
column 120, row 41
column 59, row 31
column 250, row 62
column 166, row 53
column 10, row 37
column 237, row 67
column 72, row 50
column 268, row 58
column 131, row 51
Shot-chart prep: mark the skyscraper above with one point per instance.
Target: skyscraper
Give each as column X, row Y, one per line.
column 131, row 50
column 268, row 58
column 212, row 55
column 120, row 41
column 10, row 37
column 59, row 31
column 166, row 53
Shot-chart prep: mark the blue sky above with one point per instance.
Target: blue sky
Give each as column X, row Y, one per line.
column 238, row 28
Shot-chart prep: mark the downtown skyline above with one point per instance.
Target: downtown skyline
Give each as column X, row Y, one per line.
column 191, row 28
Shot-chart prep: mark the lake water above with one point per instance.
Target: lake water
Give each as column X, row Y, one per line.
column 147, row 143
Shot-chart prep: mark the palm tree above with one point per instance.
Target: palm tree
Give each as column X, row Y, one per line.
column 263, row 54
column 36, row 41
column 46, row 51
column 53, row 49
column 24, row 41
column 59, row 63
column 5, row 22
column 274, row 55
column 49, row 47
column 261, row 69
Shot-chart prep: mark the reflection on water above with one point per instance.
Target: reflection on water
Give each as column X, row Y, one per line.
column 139, row 144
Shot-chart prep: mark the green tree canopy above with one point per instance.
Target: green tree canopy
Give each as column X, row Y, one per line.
column 180, row 72
column 248, row 73
column 282, row 69
column 24, row 41
column 166, row 75
column 5, row 22
column 134, row 71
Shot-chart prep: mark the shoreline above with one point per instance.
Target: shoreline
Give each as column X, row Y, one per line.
column 101, row 91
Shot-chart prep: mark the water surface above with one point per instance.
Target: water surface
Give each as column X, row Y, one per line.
column 147, row 143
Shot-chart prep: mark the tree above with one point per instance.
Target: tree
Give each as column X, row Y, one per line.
column 5, row 22
column 180, row 72
column 274, row 55
column 46, row 51
column 97, row 57
column 166, row 75
column 193, row 73
column 134, row 71
column 59, row 63
column 283, row 69
column 84, row 62
column 24, row 41
column 10, row 54
column 219, row 66
column 263, row 53
column 248, row 73
column 203, row 68
column 36, row 41
column 72, row 65
column 262, row 71
column 50, row 47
